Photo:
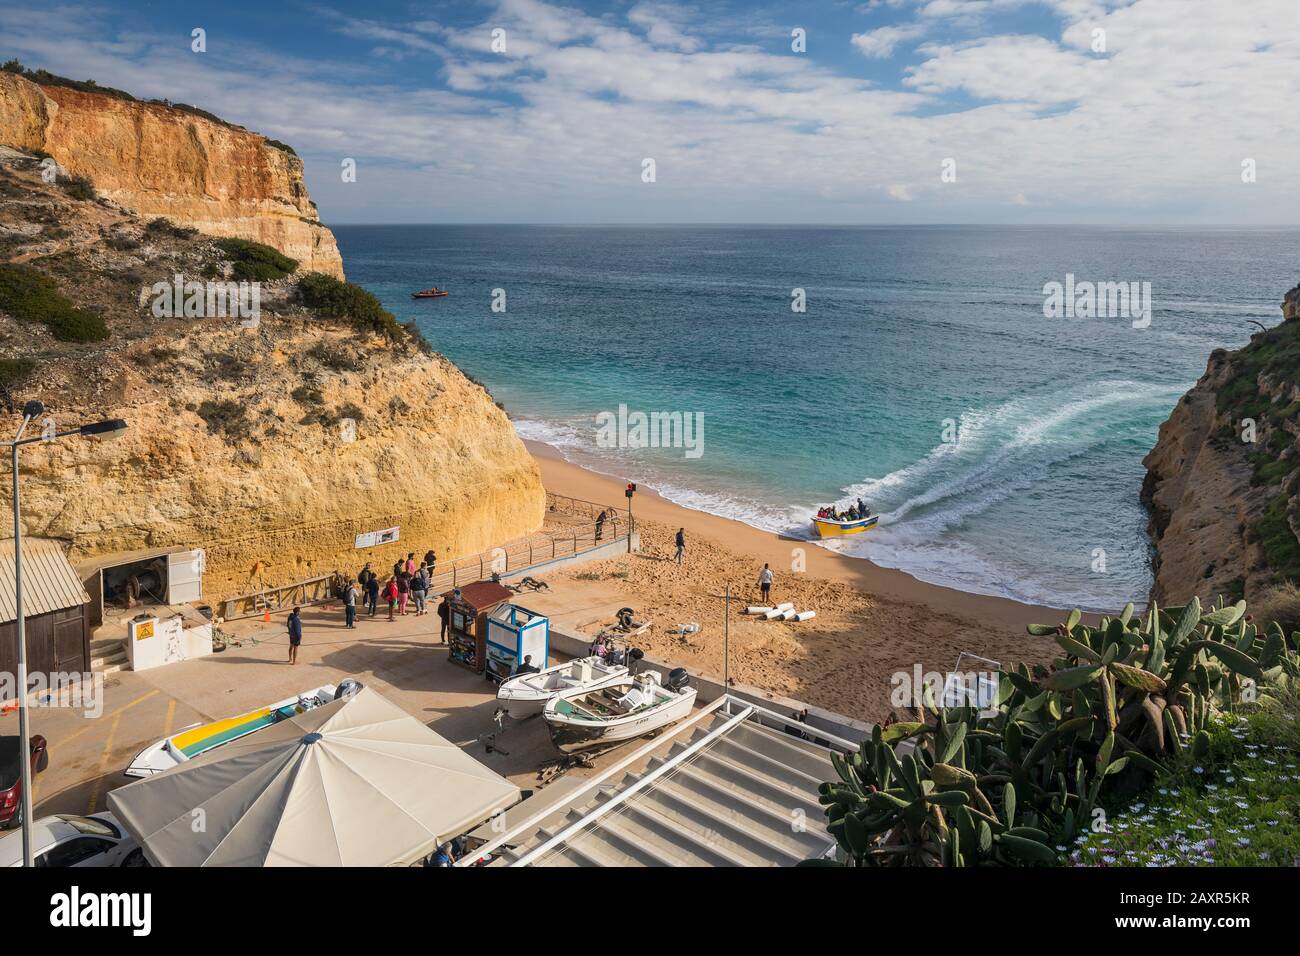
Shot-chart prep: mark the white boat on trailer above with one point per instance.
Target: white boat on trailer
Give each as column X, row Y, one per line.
column 630, row 707
column 526, row 695
column 200, row 738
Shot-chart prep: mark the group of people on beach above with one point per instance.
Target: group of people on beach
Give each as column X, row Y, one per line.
column 855, row 512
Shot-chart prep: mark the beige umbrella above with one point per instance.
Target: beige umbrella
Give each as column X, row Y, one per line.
column 357, row 782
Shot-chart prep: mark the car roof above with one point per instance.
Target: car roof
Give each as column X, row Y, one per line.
column 46, row 832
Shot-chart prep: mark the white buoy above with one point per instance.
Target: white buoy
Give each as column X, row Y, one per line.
column 757, row 610
column 787, row 606
column 790, row 615
column 773, row 614
column 805, row 615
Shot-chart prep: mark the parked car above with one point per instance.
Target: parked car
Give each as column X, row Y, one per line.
column 11, row 777
column 68, row 839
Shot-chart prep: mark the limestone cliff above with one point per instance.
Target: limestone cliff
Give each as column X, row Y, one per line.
column 160, row 160
column 275, row 444
column 263, row 466
column 1223, row 481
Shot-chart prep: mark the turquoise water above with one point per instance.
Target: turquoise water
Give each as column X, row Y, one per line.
column 912, row 335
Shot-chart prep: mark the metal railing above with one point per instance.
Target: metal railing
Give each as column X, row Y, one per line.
column 563, row 541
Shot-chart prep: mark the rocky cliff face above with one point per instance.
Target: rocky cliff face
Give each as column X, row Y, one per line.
column 1223, row 481
column 309, row 438
column 270, row 446
column 163, row 161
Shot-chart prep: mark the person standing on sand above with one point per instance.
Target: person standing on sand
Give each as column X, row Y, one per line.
column 295, row 635
column 681, row 544
column 410, row 563
column 431, row 560
column 350, row 604
column 372, row 593
column 444, row 614
column 765, row 582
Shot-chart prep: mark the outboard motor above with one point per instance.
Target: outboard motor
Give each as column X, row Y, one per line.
column 678, row 679
column 348, row 687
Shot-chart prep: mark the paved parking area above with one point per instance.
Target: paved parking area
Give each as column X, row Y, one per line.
column 402, row 659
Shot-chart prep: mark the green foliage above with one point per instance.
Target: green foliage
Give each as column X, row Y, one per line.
column 1125, row 699
column 1279, row 543
column 1273, row 356
column 283, row 147
column 31, row 296
column 78, row 187
column 334, row 299
column 254, row 262
column 1236, row 804
column 14, row 372
column 163, row 228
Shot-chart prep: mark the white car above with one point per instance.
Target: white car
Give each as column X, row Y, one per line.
column 67, row 839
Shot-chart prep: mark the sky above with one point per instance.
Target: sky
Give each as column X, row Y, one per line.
column 888, row 111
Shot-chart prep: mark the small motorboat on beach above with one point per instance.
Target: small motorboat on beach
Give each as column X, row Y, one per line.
column 433, row 293
column 527, row 694
column 830, row 528
column 628, row 708
column 200, row 738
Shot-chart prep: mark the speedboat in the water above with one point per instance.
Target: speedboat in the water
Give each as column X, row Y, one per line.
column 527, row 694
column 200, row 738
column 433, row 293
column 630, row 707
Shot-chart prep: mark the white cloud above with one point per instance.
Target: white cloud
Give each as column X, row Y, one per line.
column 1010, row 68
column 881, row 43
column 556, row 129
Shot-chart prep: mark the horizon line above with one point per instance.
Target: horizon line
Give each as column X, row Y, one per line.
column 850, row 225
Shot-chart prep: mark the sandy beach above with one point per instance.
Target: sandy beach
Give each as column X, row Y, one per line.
column 871, row 622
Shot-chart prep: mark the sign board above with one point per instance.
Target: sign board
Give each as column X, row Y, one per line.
column 373, row 539
column 143, row 630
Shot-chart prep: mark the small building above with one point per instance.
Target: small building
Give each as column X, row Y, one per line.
column 468, row 609
column 55, row 606
column 514, row 633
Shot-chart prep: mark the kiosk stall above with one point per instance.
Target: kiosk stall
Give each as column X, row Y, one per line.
column 467, row 613
column 513, row 633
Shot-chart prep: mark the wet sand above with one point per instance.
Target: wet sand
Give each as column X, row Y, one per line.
column 871, row 622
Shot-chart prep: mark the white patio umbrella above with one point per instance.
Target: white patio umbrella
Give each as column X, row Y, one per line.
column 357, row 782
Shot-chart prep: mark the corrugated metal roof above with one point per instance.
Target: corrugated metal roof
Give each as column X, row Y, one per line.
column 49, row 581
column 733, row 802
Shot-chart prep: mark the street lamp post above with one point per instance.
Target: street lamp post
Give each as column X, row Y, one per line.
column 110, row 427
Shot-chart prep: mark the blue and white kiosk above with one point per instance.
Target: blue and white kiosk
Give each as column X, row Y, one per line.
column 513, row 633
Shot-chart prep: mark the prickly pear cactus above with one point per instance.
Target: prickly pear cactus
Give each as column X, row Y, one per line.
column 961, row 789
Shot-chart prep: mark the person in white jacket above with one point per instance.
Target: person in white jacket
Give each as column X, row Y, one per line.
column 765, row 582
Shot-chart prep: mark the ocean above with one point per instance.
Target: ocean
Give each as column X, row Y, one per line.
column 1002, row 448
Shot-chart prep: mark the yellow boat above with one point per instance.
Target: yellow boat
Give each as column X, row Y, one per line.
column 200, row 738
column 830, row 528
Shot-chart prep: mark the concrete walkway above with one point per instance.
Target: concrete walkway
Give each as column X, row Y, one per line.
column 401, row 659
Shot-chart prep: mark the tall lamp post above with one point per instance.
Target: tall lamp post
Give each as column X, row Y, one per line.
column 108, row 428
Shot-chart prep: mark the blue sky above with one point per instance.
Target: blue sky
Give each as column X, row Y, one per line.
column 1110, row 111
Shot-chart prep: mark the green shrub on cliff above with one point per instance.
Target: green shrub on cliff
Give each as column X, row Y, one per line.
column 254, row 262
column 31, row 296
column 14, row 372
column 342, row 300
